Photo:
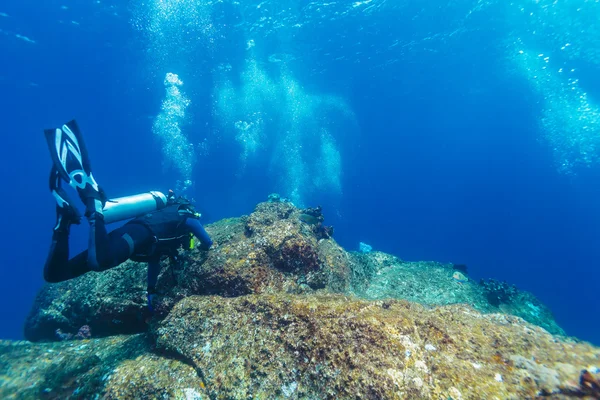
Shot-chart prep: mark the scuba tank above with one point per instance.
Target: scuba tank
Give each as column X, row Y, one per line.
column 133, row 206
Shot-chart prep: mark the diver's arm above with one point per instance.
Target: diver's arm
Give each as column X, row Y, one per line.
column 199, row 231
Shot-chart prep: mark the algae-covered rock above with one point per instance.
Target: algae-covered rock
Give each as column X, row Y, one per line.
column 311, row 346
column 336, row 347
column 379, row 276
column 276, row 249
column 151, row 376
column 111, row 302
column 276, row 310
column 120, row 367
column 271, row 250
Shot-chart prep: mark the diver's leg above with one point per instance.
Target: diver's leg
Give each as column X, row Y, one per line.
column 71, row 164
column 58, row 267
column 66, row 215
column 63, row 270
column 58, row 256
column 98, row 244
column 120, row 244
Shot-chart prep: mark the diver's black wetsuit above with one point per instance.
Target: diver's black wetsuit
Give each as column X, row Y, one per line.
column 146, row 238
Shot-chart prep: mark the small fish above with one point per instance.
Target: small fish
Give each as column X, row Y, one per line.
column 4, row 15
column 460, row 277
column 309, row 219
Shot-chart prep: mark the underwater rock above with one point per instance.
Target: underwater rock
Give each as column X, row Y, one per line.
column 378, row 275
column 84, row 333
column 109, row 303
column 327, row 346
column 278, row 248
column 120, row 367
column 275, row 310
column 499, row 292
column 271, row 250
column 312, row 346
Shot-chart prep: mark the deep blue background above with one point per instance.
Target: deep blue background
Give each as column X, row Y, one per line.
column 439, row 171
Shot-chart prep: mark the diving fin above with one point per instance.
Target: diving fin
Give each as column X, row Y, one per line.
column 70, row 156
column 66, row 213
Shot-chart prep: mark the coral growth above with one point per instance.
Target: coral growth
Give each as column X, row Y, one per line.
column 83, row 333
column 277, row 198
column 499, row 292
column 315, row 218
column 297, row 255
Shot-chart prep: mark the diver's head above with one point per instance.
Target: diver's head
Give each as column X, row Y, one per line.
column 173, row 199
column 185, row 206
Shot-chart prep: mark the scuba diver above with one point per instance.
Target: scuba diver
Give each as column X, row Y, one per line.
column 160, row 225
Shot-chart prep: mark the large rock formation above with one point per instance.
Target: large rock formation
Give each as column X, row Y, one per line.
column 277, row 248
column 118, row 367
column 385, row 276
column 311, row 346
column 278, row 310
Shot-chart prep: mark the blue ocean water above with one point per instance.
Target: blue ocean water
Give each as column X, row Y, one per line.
column 462, row 132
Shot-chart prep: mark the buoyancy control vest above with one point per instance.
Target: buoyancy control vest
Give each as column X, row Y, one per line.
column 168, row 229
